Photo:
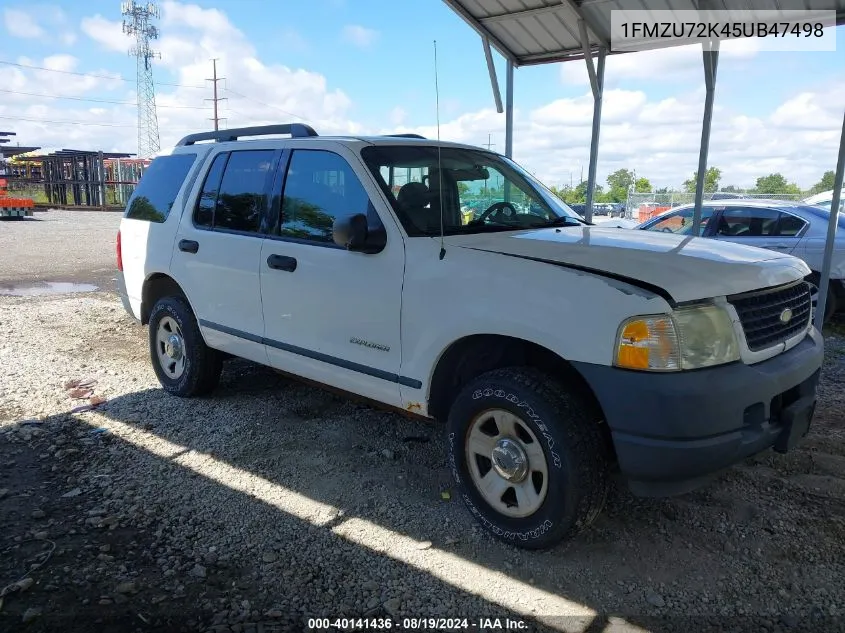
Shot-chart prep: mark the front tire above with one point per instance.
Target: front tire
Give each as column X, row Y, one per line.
column 529, row 457
column 184, row 364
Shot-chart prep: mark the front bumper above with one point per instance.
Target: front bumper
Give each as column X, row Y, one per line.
column 672, row 432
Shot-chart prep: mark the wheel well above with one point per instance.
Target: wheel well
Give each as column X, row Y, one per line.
column 472, row 356
column 156, row 287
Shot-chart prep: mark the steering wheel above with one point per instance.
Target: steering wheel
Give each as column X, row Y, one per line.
column 666, row 229
column 494, row 208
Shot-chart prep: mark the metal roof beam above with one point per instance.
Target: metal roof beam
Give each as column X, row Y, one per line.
column 491, row 70
column 582, row 17
column 470, row 19
column 525, row 13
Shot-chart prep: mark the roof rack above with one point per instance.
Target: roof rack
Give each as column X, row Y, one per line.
column 296, row 130
column 406, row 136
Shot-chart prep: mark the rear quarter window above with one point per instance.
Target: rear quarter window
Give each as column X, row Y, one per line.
column 156, row 192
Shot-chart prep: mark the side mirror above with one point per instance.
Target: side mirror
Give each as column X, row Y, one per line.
column 350, row 232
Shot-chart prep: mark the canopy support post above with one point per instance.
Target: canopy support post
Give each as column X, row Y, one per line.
column 710, row 52
column 824, row 282
column 509, row 110
column 596, row 73
column 491, row 70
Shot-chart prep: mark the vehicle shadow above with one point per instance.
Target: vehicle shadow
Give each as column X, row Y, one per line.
column 270, row 460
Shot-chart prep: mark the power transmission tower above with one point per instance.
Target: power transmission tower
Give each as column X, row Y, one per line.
column 216, row 99
column 137, row 24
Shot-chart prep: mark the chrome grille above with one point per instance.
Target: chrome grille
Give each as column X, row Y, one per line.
column 761, row 314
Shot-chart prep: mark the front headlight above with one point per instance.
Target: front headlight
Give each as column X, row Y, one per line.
column 688, row 338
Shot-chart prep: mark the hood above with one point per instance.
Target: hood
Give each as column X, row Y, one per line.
column 687, row 268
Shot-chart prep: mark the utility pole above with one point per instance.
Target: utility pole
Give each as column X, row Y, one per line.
column 489, row 142
column 215, row 99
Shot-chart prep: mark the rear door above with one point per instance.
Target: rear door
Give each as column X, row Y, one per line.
column 763, row 227
column 217, row 250
column 148, row 226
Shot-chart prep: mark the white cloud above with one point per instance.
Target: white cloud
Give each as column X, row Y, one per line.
column 657, row 137
column 666, row 65
column 660, row 138
column 19, row 23
column 359, row 35
column 398, row 116
column 108, row 33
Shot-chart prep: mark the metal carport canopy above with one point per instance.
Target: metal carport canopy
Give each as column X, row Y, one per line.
column 532, row 32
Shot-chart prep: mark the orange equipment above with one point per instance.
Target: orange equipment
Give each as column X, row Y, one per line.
column 13, row 207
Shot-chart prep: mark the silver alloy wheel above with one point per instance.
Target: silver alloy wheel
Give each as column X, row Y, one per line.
column 170, row 347
column 506, row 463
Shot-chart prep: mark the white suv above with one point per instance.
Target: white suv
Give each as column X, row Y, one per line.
column 447, row 282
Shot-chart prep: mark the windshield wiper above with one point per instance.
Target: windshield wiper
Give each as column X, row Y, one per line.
column 564, row 220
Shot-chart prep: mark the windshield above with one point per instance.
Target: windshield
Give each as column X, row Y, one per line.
column 479, row 191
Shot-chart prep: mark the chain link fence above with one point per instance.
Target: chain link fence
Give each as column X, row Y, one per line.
column 641, row 206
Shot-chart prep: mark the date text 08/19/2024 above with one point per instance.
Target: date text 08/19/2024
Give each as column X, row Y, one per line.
column 416, row 624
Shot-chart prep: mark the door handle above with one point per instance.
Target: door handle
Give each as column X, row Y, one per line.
column 282, row 262
column 189, row 246
column 780, row 247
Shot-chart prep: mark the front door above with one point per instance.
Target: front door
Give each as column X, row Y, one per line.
column 332, row 315
column 217, row 251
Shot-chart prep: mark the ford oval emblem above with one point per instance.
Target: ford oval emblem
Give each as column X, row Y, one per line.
column 786, row 316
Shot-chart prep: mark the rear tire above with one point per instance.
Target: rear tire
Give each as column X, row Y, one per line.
column 521, row 414
column 184, row 364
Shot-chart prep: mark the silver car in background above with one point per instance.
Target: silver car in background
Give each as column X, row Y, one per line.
column 785, row 226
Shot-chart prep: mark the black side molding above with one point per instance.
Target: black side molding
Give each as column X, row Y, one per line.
column 325, row 358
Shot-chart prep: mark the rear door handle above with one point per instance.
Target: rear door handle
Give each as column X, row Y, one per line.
column 282, row 262
column 189, row 246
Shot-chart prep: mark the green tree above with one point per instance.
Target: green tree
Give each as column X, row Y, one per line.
column 731, row 189
column 711, row 180
column 775, row 183
column 642, row 185
column 619, row 183
column 825, row 184
column 662, row 190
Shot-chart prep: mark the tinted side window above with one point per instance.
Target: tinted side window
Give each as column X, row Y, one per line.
column 204, row 213
column 321, row 186
column 242, row 198
column 790, row 225
column 680, row 222
column 156, row 192
column 747, row 222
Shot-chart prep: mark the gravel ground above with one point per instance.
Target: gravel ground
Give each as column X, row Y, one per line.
column 62, row 246
column 271, row 502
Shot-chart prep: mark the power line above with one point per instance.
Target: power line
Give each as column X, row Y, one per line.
column 266, row 105
column 83, row 123
column 78, row 74
column 132, row 103
column 19, row 118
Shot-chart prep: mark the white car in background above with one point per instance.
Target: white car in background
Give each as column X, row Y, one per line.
column 824, row 200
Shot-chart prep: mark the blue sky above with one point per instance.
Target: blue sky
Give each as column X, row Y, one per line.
column 379, row 56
